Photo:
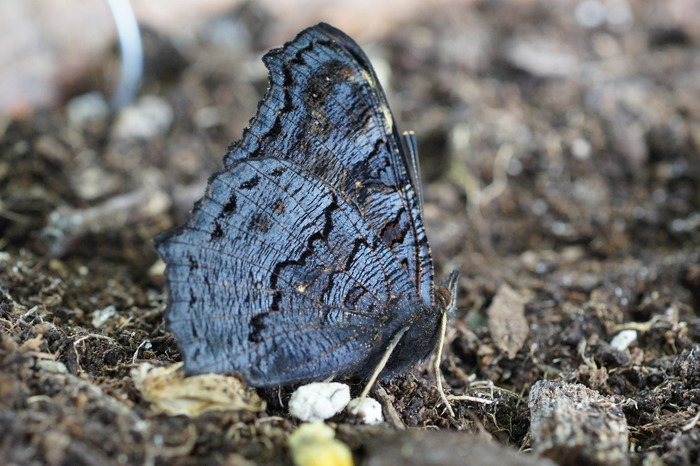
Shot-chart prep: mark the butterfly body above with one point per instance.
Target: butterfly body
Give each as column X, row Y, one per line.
column 307, row 253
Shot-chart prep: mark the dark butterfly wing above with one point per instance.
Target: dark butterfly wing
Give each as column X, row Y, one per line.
column 306, row 254
column 326, row 111
column 276, row 277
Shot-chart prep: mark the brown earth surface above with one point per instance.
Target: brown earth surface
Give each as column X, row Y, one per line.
column 561, row 176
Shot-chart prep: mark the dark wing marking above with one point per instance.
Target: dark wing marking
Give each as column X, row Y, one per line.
column 326, row 111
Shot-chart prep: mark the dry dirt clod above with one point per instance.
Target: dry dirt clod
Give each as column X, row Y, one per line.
column 573, row 424
column 507, row 322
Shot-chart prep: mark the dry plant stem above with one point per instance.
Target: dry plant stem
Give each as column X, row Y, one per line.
column 691, row 424
column 469, row 398
column 136, row 353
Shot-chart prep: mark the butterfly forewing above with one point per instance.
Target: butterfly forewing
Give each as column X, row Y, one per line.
column 325, row 110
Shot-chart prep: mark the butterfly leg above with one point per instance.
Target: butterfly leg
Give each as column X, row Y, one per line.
column 382, row 362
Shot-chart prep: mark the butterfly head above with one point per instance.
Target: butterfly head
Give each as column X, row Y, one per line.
column 446, row 295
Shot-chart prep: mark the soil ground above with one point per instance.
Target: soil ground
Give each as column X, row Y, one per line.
column 560, row 160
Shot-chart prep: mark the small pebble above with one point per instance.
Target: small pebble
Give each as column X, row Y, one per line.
column 149, row 117
column 100, row 317
column 85, row 108
column 368, row 410
column 319, row 401
column 622, row 340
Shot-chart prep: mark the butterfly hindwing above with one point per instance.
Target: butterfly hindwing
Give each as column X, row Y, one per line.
column 280, row 285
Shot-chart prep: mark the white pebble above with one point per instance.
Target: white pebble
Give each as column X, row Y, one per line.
column 100, row 317
column 87, row 107
column 590, row 13
column 622, row 340
column 367, row 410
column 149, row 117
column 319, row 401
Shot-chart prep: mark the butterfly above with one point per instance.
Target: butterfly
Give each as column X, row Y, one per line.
column 307, row 257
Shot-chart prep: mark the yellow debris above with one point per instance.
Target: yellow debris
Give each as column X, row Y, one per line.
column 170, row 391
column 314, row 444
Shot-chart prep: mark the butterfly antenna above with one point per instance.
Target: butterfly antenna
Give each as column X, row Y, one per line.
column 411, row 143
column 387, row 354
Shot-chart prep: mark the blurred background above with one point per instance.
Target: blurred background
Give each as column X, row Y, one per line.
column 588, row 107
column 51, row 44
